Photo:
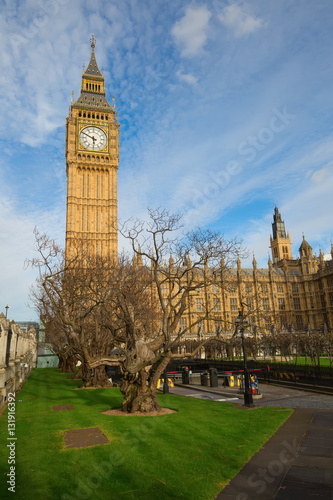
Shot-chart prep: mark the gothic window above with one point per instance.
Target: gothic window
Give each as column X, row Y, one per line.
column 182, row 324
column 249, row 303
column 199, row 304
column 233, row 305
column 267, row 322
column 282, row 304
column 297, row 304
column 299, row 322
column 216, row 305
column 265, row 304
column 264, row 288
column 215, row 288
column 295, row 288
column 248, row 288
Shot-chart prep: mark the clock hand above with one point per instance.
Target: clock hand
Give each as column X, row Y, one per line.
column 90, row 137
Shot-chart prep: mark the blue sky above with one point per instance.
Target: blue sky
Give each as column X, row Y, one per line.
column 225, row 109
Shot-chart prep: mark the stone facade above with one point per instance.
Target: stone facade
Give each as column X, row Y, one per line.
column 18, row 355
column 291, row 294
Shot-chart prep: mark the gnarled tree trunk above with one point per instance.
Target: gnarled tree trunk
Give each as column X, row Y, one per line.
column 67, row 363
column 139, row 396
column 94, row 377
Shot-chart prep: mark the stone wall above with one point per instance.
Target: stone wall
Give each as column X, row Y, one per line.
column 18, row 355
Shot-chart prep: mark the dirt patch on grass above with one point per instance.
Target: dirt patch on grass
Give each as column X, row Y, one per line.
column 62, row 407
column 120, row 413
column 82, row 438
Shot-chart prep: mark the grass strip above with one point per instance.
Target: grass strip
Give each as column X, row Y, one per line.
column 190, row 454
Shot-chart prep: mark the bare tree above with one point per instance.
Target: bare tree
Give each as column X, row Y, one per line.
column 128, row 314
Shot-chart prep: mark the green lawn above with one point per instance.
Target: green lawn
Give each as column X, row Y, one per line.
column 190, row 454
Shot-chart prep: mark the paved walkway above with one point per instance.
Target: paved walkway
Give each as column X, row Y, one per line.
column 297, row 462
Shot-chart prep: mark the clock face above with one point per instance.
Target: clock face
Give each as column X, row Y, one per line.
column 93, row 138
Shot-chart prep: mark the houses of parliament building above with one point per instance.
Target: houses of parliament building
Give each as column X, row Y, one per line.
column 291, row 293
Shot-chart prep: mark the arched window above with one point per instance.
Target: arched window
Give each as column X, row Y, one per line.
column 88, row 115
column 84, row 115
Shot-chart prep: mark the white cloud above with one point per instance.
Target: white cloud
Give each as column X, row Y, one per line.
column 18, row 245
column 320, row 176
column 188, row 78
column 239, row 21
column 191, row 31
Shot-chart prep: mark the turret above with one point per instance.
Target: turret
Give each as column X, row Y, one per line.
column 305, row 250
column 280, row 243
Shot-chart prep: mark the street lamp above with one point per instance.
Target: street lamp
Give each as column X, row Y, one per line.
column 242, row 323
column 7, row 307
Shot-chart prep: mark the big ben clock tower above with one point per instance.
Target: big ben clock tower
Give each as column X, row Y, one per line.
column 92, row 156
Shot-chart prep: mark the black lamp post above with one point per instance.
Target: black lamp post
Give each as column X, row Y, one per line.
column 248, row 400
column 166, row 382
column 7, row 307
